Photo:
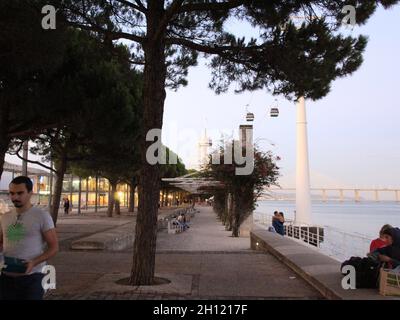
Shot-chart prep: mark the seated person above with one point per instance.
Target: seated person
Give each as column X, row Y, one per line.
column 277, row 222
column 182, row 221
column 381, row 241
column 175, row 221
column 390, row 253
column 274, row 218
column 275, row 215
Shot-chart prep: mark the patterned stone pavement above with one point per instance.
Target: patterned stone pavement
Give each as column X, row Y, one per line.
column 204, row 262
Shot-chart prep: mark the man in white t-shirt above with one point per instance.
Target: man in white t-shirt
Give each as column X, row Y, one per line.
column 27, row 240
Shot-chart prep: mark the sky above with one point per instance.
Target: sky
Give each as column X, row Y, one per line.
column 353, row 133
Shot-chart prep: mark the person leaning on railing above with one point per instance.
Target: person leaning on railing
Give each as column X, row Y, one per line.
column 277, row 222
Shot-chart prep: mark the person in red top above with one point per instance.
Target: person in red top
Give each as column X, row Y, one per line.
column 379, row 242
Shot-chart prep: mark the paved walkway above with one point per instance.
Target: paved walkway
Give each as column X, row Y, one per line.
column 204, row 262
column 206, row 233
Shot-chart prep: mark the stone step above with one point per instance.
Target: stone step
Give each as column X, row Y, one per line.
column 320, row 271
column 116, row 239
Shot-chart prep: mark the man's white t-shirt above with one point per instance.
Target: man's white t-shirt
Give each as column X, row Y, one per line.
column 23, row 236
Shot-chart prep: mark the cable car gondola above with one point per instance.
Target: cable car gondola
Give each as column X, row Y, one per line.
column 250, row 116
column 274, row 112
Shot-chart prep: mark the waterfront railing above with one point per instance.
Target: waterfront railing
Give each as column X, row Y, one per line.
column 331, row 241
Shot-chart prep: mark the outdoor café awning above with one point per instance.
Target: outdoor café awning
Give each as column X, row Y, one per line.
column 194, row 185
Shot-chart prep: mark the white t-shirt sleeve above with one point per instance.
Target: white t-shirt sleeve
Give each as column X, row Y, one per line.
column 46, row 223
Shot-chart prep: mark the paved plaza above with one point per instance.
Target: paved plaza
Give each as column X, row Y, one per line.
column 204, row 262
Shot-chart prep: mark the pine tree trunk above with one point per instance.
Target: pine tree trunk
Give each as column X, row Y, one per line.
column 61, row 167
column 166, row 198
column 236, row 212
column 4, row 139
column 143, row 267
column 229, row 222
column 235, row 230
column 225, row 214
column 111, row 200
column 132, row 196
column 162, row 198
column 4, row 144
column 117, row 207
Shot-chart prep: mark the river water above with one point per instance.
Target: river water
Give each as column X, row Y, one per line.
column 348, row 226
column 364, row 218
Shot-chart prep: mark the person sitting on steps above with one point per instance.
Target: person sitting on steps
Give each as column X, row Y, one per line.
column 182, row 221
column 390, row 253
column 381, row 241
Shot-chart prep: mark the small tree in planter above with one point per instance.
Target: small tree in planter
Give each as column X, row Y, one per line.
column 219, row 204
column 244, row 189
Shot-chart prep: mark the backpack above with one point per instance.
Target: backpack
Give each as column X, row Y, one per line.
column 367, row 271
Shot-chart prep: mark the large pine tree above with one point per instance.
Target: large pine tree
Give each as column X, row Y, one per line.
column 29, row 57
column 168, row 35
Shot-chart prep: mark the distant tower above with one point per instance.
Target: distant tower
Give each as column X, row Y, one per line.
column 203, row 150
column 303, row 198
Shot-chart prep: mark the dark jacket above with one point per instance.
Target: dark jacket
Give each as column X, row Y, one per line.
column 396, row 237
column 278, row 227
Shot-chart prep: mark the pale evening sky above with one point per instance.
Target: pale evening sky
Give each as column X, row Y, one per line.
column 353, row 133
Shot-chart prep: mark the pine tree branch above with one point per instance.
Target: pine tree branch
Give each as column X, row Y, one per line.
column 113, row 35
column 141, row 63
column 139, row 6
column 91, row 26
column 30, row 161
column 227, row 5
column 210, row 49
column 169, row 13
column 14, row 133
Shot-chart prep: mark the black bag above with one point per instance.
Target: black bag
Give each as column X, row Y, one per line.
column 367, row 271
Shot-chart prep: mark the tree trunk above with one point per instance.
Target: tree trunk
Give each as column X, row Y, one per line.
column 166, row 197
column 4, row 144
column 117, row 207
column 61, row 167
column 229, row 217
column 80, row 196
column 132, row 197
column 235, row 230
column 111, row 198
column 96, row 196
column 144, row 250
column 162, row 197
column 219, row 205
column 4, row 139
column 236, row 212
